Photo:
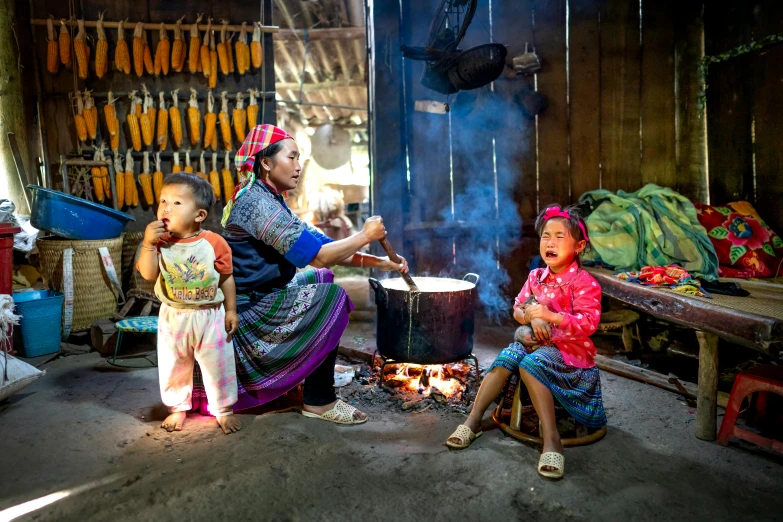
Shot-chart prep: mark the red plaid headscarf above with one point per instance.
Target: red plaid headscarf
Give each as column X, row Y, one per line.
column 259, row 138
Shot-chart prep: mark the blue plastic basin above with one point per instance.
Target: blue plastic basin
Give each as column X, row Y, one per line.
column 74, row 218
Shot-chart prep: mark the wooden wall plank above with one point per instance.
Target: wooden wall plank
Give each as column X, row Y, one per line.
column 585, row 95
column 659, row 164
column 620, row 93
column 553, row 169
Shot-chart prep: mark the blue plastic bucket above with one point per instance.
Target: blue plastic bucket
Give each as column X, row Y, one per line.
column 41, row 323
column 74, row 218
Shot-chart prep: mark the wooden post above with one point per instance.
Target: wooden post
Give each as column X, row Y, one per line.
column 707, row 399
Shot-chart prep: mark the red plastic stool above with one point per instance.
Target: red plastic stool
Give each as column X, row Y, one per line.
column 761, row 379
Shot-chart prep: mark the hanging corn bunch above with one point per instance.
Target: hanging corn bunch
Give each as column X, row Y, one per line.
column 188, row 166
column 82, row 51
column 175, row 163
column 228, row 180
column 145, row 180
column 206, row 66
column 112, row 123
column 252, row 109
column 78, row 118
column 121, row 55
column 178, row 48
column 157, row 178
column 202, row 168
column 214, row 177
column 138, row 49
column 213, row 61
column 242, row 50
column 101, row 50
column 255, row 46
column 230, row 53
column 225, row 125
column 194, row 118
column 90, row 115
column 105, row 173
column 175, row 119
column 162, row 52
column 194, row 53
column 163, row 123
column 210, row 120
column 52, row 47
column 97, row 182
column 131, row 192
column 222, row 53
column 239, row 117
column 133, row 122
column 149, row 63
column 119, row 179
column 147, row 118
column 64, row 42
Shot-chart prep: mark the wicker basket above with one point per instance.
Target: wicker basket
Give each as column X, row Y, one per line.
column 130, row 244
column 136, row 281
column 93, row 294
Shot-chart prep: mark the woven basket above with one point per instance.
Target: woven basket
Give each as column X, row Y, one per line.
column 93, row 294
column 136, row 281
column 130, row 243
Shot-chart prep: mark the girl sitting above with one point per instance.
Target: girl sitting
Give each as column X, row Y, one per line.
column 565, row 312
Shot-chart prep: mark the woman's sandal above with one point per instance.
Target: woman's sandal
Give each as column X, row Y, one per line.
column 552, row 459
column 342, row 413
column 465, row 436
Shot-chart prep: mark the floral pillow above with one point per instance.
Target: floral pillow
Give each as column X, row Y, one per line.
column 745, row 245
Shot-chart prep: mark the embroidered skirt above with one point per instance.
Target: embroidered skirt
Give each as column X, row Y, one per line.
column 282, row 338
column 577, row 389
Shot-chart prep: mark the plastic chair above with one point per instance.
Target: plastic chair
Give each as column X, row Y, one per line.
column 142, row 324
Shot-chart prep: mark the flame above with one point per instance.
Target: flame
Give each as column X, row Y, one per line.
column 410, row 374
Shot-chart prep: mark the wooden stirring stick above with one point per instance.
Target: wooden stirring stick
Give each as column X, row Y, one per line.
column 396, row 259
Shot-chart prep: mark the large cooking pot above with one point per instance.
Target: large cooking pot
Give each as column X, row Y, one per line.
column 432, row 326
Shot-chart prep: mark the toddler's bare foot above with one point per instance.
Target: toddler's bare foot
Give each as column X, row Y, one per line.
column 229, row 424
column 174, row 421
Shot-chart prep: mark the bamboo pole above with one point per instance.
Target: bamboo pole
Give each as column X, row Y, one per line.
column 155, row 27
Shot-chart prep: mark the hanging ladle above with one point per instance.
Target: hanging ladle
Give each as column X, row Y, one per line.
column 396, row 259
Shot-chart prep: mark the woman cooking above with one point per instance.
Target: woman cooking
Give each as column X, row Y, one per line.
column 289, row 323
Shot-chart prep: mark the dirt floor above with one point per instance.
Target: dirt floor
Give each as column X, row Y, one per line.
column 93, row 431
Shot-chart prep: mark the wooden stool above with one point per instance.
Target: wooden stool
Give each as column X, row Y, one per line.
column 621, row 320
column 762, row 380
column 512, row 424
column 146, row 324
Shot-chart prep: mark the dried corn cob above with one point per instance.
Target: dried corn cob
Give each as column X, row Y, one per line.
column 163, row 124
column 78, row 118
column 194, row 118
column 175, row 167
column 228, row 180
column 225, row 125
column 255, row 46
column 157, row 178
column 145, row 180
column 175, row 119
column 202, row 168
column 130, row 182
column 52, row 48
column 213, row 61
column 242, row 50
column 252, row 109
column 105, row 174
column 97, row 182
column 206, row 66
column 221, row 49
column 239, row 117
column 101, row 50
column 164, row 46
column 64, row 42
column 188, row 166
column 210, row 120
column 194, row 53
column 214, row 143
column 178, row 48
column 138, row 49
column 214, row 177
column 81, row 51
column 90, row 115
column 121, row 54
column 119, row 179
column 147, row 118
column 112, row 123
column 133, row 123
column 149, row 63
column 230, row 53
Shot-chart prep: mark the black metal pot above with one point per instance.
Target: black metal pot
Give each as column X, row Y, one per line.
column 433, row 326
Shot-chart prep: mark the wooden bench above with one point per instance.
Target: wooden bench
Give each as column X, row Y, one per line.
column 755, row 321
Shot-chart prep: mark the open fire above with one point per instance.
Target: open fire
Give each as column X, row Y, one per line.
column 448, row 381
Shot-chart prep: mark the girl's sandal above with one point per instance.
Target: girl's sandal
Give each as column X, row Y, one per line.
column 552, row 459
column 464, row 435
column 342, row 413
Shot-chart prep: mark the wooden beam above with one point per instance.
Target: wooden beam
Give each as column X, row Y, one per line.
column 321, row 86
column 155, row 27
column 333, row 33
